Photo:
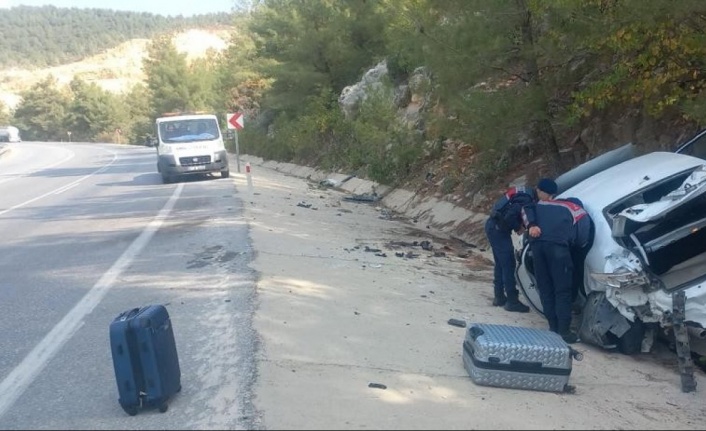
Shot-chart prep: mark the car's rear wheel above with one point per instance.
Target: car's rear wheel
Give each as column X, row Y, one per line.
column 225, row 173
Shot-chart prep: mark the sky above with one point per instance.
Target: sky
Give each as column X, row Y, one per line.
column 162, row 7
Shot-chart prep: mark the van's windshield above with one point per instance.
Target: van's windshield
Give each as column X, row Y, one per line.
column 200, row 129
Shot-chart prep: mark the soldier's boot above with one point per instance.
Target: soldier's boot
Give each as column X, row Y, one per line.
column 567, row 334
column 500, row 299
column 513, row 304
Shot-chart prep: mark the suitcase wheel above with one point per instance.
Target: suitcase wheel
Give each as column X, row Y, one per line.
column 163, row 408
column 132, row 410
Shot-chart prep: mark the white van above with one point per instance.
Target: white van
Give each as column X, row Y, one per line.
column 189, row 144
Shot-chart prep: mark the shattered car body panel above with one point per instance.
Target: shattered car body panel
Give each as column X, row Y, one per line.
column 692, row 188
column 649, row 214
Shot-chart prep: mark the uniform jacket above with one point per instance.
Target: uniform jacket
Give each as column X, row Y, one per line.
column 582, row 231
column 561, row 222
column 507, row 211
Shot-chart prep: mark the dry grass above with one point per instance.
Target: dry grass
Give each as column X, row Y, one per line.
column 116, row 69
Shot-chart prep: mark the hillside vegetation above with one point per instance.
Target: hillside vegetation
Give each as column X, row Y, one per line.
column 116, row 70
column 498, row 85
column 49, row 36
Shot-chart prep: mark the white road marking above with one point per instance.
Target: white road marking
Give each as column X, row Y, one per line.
column 24, row 374
column 62, row 188
column 26, row 174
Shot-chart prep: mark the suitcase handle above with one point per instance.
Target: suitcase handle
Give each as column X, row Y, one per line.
column 128, row 314
column 475, row 332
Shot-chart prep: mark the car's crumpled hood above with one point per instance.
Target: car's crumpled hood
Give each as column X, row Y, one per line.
column 659, row 304
column 695, row 303
column 693, row 187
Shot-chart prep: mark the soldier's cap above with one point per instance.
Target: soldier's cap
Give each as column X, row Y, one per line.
column 548, row 186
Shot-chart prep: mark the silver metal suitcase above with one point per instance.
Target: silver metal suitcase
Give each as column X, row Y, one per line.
column 515, row 357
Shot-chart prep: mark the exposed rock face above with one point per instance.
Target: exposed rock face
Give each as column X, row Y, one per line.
column 419, row 88
column 353, row 95
column 452, row 175
column 409, row 98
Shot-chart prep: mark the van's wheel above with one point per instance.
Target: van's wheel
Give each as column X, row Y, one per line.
column 166, row 179
column 225, row 173
column 163, row 408
column 631, row 341
column 132, row 410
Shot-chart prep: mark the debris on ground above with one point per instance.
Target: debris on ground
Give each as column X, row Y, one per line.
column 372, row 250
column 426, row 245
column 385, row 214
column 364, row 197
column 457, row 322
column 330, row 182
column 465, row 244
column 377, row 385
column 398, row 244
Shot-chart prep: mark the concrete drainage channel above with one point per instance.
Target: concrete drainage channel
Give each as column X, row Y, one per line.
column 440, row 215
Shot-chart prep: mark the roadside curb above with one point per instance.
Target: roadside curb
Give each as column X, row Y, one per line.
column 428, row 212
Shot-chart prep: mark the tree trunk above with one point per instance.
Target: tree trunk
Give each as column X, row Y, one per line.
column 542, row 124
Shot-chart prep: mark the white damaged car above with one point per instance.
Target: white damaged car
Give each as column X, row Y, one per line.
column 649, row 214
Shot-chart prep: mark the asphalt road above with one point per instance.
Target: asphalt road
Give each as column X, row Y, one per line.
column 89, row 231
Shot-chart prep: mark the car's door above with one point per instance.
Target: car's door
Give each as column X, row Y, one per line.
column 695, row 146
column 524, row 274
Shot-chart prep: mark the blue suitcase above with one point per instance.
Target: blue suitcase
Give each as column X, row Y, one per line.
column 145, row 358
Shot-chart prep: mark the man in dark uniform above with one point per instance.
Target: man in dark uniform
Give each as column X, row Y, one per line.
column 506, row 217
column 584, row 232
column 553, row 226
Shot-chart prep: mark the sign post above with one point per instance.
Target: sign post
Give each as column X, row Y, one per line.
column 248, row 177
column 235, row 122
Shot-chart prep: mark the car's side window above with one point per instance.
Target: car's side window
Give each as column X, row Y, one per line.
column 696, row 146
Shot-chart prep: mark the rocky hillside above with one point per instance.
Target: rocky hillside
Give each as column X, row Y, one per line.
column 449, row 174
column 116, row 69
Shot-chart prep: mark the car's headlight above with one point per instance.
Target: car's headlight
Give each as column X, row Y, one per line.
column 621, row 279
column 166, row 149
